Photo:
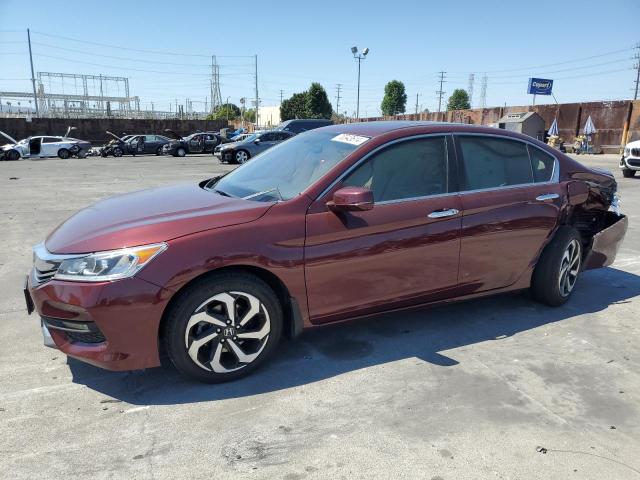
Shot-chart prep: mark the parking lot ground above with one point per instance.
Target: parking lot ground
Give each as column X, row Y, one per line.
column 494, row 388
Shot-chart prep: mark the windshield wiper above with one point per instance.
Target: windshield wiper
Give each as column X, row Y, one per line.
column 220, row 192
column 264, row 192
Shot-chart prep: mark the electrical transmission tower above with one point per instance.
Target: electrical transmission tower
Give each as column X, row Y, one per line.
column 472, row 79
column 440, row 92
column 637, row 67
column 338, row 88
column 483, row 92
column 216, row 97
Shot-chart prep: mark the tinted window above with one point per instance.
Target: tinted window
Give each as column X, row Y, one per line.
column 50, row 140
column 268, row 137
column 542, row 164
column 282, row 136
column 415, row 168
column 490, row 162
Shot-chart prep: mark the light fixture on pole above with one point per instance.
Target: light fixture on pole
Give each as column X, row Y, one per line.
column 359, row 57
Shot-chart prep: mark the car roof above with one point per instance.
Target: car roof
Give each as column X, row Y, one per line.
column 374, row 129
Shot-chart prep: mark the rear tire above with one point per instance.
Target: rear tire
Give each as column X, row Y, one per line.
column 63, row 153
column 210, row 345
column 181, row 152
column 159, row 151
column 627, row 173
column 557, row 270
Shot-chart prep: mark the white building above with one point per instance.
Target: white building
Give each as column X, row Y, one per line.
column 269, row 116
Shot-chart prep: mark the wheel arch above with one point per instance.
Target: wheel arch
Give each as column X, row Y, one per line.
column 293, row 320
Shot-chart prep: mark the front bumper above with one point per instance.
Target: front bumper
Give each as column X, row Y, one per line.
column 630, row 163
column 112, row 325
column 224, row 155
column 606, row 243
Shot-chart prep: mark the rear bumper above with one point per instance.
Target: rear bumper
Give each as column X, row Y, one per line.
column 606, row 243
column 112, row 325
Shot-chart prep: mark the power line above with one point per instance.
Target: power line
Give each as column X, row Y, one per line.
column 157, row 52
column 472, row 78
column 483, row 92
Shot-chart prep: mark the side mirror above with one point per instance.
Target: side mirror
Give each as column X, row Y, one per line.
column 256, row 141
column 354, row 199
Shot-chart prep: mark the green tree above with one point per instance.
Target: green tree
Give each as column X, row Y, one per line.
column 225, row 111
column 395, row 98
column 250, row 115
column 294, row 107
column 317, row 102
column 459, row 100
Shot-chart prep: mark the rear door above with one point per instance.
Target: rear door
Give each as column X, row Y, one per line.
column 404, row 251
column 510, row 202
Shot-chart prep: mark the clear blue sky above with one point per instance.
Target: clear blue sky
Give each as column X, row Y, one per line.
column 300, row 42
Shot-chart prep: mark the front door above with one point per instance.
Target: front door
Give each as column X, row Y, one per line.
column 404, row 251
column 196, row 144
column 510, row 202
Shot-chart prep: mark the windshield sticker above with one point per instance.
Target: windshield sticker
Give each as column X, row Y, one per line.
column 348, row 138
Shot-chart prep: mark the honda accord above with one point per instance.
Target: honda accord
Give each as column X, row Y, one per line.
column 339, row 222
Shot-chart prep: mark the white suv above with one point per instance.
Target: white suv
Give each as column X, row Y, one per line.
column 630, row 161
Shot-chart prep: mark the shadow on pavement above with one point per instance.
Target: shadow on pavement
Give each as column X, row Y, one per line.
column 334, row 350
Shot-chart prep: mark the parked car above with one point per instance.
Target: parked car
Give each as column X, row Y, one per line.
column 241, row 152
column 339, row 222
column 630, row 161
column 43, row 146
column 134, row 145
column 302, row 125
column 199, row 142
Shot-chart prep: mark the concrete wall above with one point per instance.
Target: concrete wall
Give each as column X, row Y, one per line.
column 93, row 129
column 609, row 118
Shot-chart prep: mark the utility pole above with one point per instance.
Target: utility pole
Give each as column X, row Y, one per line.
column 636, row 66
column 417, row 95
column 281, row 95
column 483, row 92
column 472, row 79
column 339, row 87
column 33, row 77
column 257, row 90
column 440, row 92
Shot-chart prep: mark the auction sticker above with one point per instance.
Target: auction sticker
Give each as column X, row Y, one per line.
column 348, row 138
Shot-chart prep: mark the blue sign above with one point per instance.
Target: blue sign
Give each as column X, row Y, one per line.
column 540, row 86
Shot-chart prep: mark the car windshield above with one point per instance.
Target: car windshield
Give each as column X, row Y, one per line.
column 289, row 168
column 250, row 138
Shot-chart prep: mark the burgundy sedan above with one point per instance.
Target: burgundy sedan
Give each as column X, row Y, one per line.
column 340, row 222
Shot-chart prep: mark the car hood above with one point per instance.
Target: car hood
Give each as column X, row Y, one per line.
column 150, row 216
column 634, row 144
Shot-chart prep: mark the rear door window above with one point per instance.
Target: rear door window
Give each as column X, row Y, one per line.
column 542, row 164
column 490, row 162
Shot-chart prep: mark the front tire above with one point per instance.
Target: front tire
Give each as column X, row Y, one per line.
column 223, row 327
column 117, row 152
column 556, row 273
column 63, row 153
column 12, row 155
column 628, row 173
column 241, row 156
column 181, row 152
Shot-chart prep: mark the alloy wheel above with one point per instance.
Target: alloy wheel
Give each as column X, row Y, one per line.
column 569, row 268
column 241, row 156
column 227, row 332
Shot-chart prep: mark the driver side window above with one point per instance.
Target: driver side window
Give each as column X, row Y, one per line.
column 410, row 169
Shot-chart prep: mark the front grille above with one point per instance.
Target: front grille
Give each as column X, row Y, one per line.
column 45, row 264
column 635, row 152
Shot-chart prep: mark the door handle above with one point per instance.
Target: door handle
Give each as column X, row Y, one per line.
column 547, row 196
column 449, row 212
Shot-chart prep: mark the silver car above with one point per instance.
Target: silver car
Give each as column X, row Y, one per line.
column 240, row 152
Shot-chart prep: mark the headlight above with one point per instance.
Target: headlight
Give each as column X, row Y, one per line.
column 627, row 151
column 110, row 265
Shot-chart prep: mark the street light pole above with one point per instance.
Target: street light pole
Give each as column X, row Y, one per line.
column 359, row 57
